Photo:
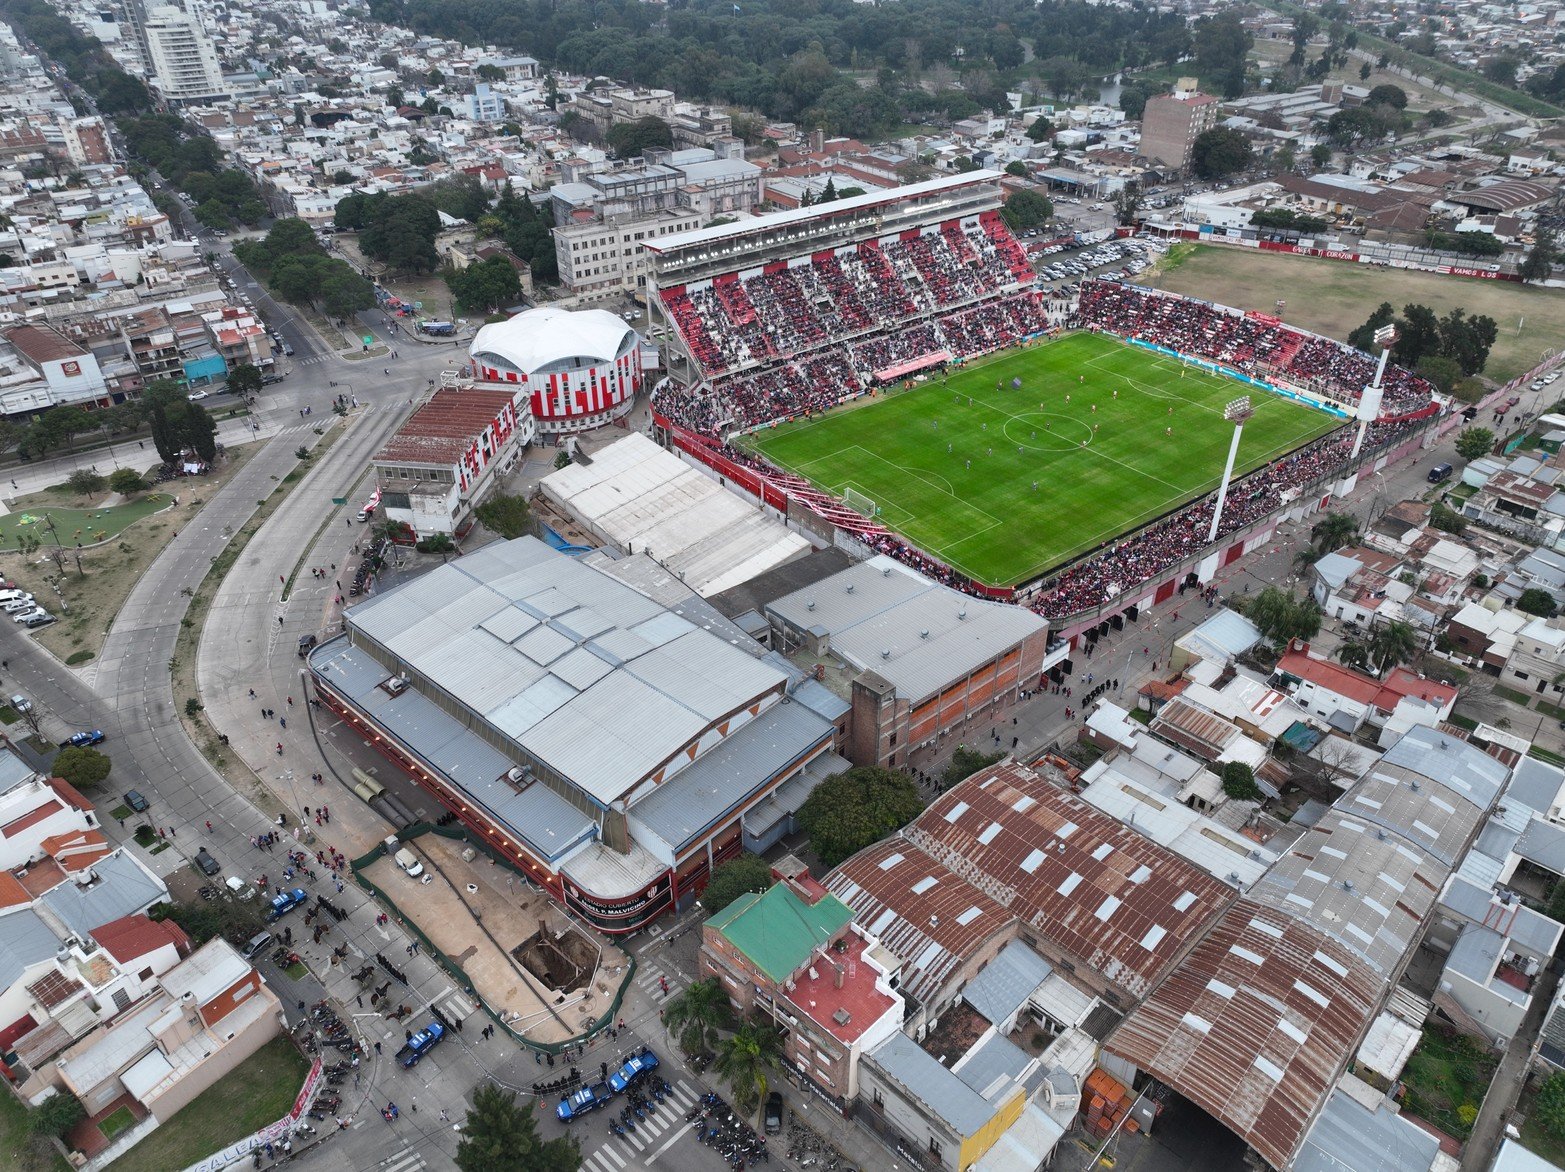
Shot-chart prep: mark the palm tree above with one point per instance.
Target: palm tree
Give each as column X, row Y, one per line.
column 1392, row 644
column 746, row 1059
column 1353, row 654
column 1333, row 531
column 696, row 1015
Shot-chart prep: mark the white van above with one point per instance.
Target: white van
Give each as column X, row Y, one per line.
column 408, row 861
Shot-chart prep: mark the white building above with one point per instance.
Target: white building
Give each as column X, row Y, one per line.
column 604, row 260
column 35, row 809
column 484, row 105
column 181, row 61
column 581, row 369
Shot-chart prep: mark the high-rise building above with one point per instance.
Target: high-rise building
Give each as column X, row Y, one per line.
column 181, row 62
column 1172, row 122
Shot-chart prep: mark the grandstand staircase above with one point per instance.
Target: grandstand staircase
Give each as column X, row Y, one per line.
column 823, row 503
column 736, row 301
column 1287, row 346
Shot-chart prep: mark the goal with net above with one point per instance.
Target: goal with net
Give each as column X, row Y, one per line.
column 860, row 503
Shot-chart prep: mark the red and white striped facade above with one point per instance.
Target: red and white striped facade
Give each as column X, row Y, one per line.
column 580, row 369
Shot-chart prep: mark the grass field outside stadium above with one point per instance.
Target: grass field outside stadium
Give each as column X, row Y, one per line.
column 1004, row 483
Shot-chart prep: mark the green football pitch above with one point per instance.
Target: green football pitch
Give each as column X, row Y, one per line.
column 1004, row 484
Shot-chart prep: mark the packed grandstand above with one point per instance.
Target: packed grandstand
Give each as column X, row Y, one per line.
column 773, row 337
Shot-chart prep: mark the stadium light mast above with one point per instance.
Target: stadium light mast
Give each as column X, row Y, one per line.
column 1237, row 413
column 1369, row 401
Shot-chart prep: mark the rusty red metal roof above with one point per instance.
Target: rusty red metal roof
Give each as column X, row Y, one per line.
column 444, row 428
column 1006, row 838
column 1255, row 1025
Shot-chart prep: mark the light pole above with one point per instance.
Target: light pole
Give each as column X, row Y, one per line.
column 1237, row 412
column 1369, row 401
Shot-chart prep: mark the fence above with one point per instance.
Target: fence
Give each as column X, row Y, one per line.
column 418, row 829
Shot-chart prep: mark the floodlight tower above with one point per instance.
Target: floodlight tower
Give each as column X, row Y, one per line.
column 1369, row 401
column 1237, row 413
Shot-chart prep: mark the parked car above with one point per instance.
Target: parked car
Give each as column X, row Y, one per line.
column 774, row 1108
column 635, row 1066
column 209, row 866
column 21, row 703
column 587, row 1099
column 284, row 902
column 420, row 1044
column 198, row 394
column 33, row 611
column 81, row 739
column 38, row 618
column 136, row 802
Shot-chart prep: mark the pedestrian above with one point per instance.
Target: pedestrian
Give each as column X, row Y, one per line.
column 444, row 1118
column 209, row 825
column 360, row 998
column 290, row 701
column 283, row 720
column 122, row 824
column 377, row 1047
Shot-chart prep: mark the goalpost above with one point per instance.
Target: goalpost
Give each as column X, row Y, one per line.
column 860, row 503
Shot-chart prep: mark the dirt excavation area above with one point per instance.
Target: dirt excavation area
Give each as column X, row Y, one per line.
column 544, row 975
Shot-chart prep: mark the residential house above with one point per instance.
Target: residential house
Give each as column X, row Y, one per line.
column 1347, row 700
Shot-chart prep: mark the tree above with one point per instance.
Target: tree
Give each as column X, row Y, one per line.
column 697, row 1014
column 964, row 763
column 1447, row 520
column 126, row 481
column 1363, row 338
column 1017, row 168
column 1219, row 152
column 1127, row 204
column 244, row 379
column 853, row 809
column 746, row 1060
column 1353, row 654
column 1391, row 644
column 1333, row 531
column 1536, row 601
column 1026, row 209
column 1281, row 617
column 1239, row 782
column 1418, row 333
column 506, row 515
column 1041, row 130
column 1221, row 47
column 56, row 1115
column 500, row 1135
column 629, row 139
column 1443, row 372
column 86, row 482
column 81, row 767
column 1387, row 95
column 1474, row 442
column 1549, row 1106
column 734, row 878
column 1539, row 262
column 487, row 285
column 1320, row 156
column 1501, row 70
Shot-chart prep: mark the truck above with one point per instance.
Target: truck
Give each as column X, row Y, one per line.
column 438, row 329
column 635, row 1066
column 587, row 1099
column 420, row 1044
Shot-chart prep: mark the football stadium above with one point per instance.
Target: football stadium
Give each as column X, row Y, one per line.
column 886, row 363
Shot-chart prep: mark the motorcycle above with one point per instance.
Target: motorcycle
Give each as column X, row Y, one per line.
column 389, row 1112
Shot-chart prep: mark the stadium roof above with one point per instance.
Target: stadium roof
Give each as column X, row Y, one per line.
column 1505, row 196
column 1255, row 1024
column 837, row 208
column 639, row 497
column 915, row 633
column 549, row 338
column 581, row 673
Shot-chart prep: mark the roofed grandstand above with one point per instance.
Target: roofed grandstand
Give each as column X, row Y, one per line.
column 787, row 316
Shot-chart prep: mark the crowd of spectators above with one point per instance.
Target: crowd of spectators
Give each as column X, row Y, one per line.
column 877, row 288
column 1260, row 346
column 1127, row 563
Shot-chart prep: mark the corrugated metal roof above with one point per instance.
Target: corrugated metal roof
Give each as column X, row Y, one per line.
column 933, row 633
column 1255, row 1025
column 121, row 886
column 1468, row 770
column 1006, row 982
column 936, row 1089
column 1226, row 635
column 629, row 683
column 1536, row 785
column 1348, row 1137
column 25, row 939
column 729, row 774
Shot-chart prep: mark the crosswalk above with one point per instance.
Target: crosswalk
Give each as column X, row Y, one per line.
column 650, row 973
column 408, row 1161
column 650, row 1136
